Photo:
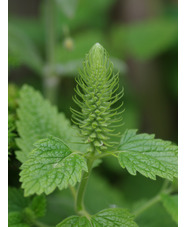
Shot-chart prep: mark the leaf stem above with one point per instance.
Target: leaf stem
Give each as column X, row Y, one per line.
column 50, row 79
column 147, row 205
column 104, row 155
column 154, row 200
column 164, row 185
column 50, row 30
column 79, row 203
column 73, row 191
column 40, row 224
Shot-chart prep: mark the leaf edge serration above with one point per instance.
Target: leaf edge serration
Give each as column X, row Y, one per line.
column 36, row 183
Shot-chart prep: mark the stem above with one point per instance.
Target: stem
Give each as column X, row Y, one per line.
column 50, row 88
column 150, row 203
column 73, row 191
column 40, row 224
column 105, row 155
column 164, row 185
column 155, row 199
column 50, row 79
column 50, row 31
column 80, row 208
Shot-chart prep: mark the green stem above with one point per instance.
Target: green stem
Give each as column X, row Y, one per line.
column 50, row 88
column 164, row 185
column 154, row 200
column 147, row 205
column 50, row 79
column 80, row 208
column 73, row 191
column 40, row 224
column 104, row 155
column 50, row 30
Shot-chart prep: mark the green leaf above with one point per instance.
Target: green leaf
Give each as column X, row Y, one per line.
column 105, row 218
column 37, row 119
column 12, row 106
column 13, row 93
column 149, row 42
column 170, row 203
column 16, row 200
column 23, row 210
column 147, row 155
column 16, row 219
column 38, row 205
column 75, row 221
column 143, row 40
column 23, row 49
column 51, row 164
column 32, row 27
column 11, row 133
column 114, row 217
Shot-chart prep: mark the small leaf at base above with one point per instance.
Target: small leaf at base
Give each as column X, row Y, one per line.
column 105, row 218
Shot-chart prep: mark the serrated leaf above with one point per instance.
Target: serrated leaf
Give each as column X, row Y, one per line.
column 75, row 221
column 147, row 155
column 170, row 203
column 105, row 218
column 38, row 119
column 114, row 217
column 51, row 164
column 15, row 219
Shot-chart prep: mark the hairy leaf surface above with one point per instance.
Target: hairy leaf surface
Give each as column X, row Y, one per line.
column 105, row 218
column 52, row 164
column 147, row 155
column 170, row 203
column 37, row 119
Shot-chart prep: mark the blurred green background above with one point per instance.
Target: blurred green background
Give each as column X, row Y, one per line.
column 47, row 42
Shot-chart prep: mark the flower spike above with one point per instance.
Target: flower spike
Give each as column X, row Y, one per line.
column 96, row 93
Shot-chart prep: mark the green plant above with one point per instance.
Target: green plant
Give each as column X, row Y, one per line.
column 55, row 154
column 12, row 105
